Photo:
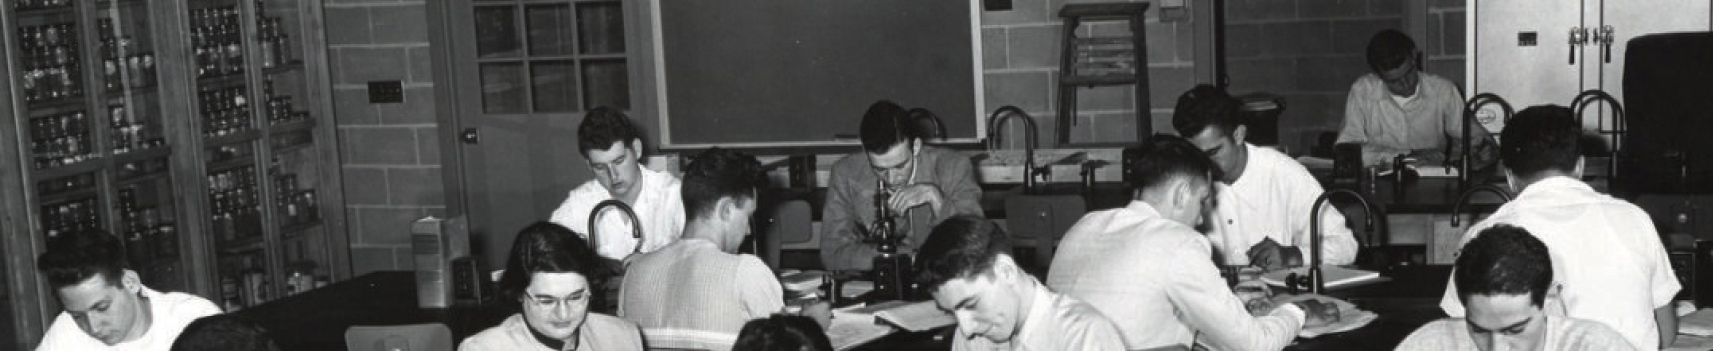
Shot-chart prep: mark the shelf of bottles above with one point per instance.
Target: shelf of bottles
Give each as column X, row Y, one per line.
column 294, row 160
column 243, row 279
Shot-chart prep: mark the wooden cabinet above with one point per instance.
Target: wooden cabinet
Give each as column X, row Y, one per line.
column 196, row 130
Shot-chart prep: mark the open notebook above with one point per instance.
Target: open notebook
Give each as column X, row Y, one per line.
column 856, row 325
column 1335, row 276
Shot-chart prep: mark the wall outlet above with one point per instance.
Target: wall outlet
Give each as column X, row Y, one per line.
column 383, row 92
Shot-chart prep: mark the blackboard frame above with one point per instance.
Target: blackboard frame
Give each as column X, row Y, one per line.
column 664, row 109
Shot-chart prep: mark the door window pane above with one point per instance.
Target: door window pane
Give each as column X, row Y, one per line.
column 601, row 27
column 502, row 88
column 555, row 86
column 550, row 28
column 496, row 32
column 607, row 83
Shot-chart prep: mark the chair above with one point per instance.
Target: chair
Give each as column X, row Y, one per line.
column 1045, row 218
column 409, row 337
column 789, row 223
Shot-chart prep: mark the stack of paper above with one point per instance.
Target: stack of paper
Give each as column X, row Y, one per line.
column 855, row 325
column 1349, row 317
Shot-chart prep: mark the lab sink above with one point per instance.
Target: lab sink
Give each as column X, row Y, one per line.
column 1006, row 166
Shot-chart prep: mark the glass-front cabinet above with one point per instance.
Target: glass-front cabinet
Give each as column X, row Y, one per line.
column 193, row 130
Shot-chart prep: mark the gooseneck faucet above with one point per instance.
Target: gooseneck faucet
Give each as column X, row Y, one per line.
column 1469, row 111
column 1619, row 126
column 997, row 120
column 635, row 224
column 1316, row 280
column 1457, row 208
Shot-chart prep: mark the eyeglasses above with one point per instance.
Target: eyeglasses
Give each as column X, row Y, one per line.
column 548, row 302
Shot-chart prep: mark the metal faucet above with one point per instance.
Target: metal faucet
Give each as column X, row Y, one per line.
column 997, row 120
column 1457, row 208
column 1469, row 111
column 1317, row 280
column 1619, row 126
column 635, row 224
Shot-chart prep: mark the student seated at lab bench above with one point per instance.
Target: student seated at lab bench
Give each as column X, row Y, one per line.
column 1609, row 259
column 550, row 274
column 927, row 185
column 1262, row 215
column 698, row 292
column 106, row 306
column 966, row 265
column 1399, row 110
column 1149, row 269
column 612, row 145
column 1504, row 278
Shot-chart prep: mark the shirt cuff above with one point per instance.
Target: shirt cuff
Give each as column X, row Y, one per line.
column 1290, row 310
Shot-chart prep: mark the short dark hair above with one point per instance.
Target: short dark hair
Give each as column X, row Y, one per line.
column 1503, row 260
column 959, row 247
column 1389, row 49
column 223, row 332
column 72, row 257
column 603, row 126
column 719, row 173
column 1540, row 138
column 884, row 125
column 1202, row 107
column 782, row 332
column 545, row 247
column 1163, row 157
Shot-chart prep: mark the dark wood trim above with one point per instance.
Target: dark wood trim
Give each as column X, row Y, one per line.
column 318, row 83
column 23, row 292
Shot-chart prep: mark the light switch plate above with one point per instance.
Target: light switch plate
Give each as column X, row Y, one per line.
column 383, row 92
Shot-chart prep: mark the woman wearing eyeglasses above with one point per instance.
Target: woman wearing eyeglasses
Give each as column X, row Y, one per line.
column 550, row 274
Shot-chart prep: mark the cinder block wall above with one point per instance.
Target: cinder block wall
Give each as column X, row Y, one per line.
column 392, row 167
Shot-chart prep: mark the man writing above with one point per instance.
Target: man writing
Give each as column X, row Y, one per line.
column 967, row 266
column 1147, row 268
column 1399, row 110
column 613, row 148
column 927, row 185
column 698, row 291
column 1611, row 263
column 1505, row 276
column 106, row 305
column 1262, row 217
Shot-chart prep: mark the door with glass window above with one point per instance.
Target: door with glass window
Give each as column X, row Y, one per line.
column 521, row 75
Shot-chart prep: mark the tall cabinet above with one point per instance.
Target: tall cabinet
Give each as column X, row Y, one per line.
column 196, row 130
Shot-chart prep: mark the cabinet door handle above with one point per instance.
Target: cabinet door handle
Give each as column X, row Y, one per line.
column 470, row 136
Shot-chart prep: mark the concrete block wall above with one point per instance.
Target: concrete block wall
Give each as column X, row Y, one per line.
column 1020, row 52
column 392, row 171
column 1310, row 51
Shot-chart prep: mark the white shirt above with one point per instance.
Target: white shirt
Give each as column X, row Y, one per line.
column 660, row 208
column 1055, row 322
column 1271, row 200
column 1156, row 280
column 1604, row 251
column 692, row 295
column 171, row 312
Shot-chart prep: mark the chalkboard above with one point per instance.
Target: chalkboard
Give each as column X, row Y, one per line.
column 801, row 72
